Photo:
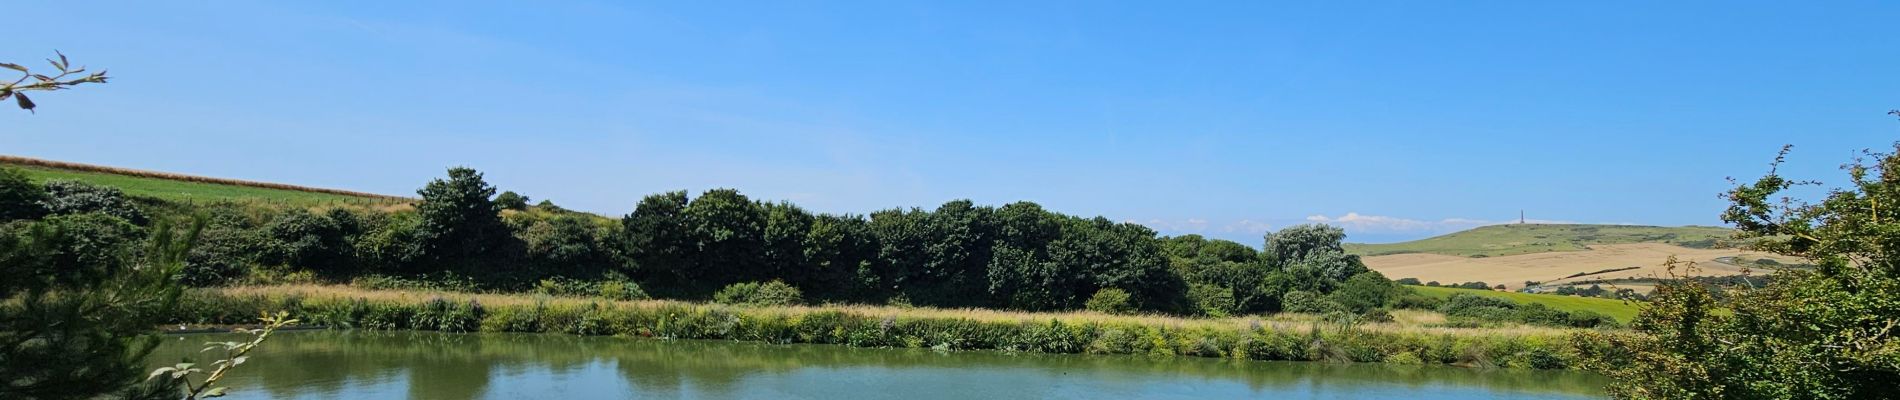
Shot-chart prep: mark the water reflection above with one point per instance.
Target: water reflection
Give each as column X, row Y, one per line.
column 423, row 365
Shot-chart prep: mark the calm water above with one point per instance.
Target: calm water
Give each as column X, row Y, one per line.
column 423, row 365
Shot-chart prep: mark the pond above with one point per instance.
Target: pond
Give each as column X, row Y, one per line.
column 429, row 365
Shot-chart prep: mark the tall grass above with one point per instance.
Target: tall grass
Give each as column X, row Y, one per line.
column 1410, row 340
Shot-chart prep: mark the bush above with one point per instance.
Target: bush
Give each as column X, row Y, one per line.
column 1301, row 301
column 1210, row 300
column 1365, row 291
column 1408, row 282
column 511, row 201
column 1110, row 301
column 563, row 286
column 774, row 293
column 1379, row 315
column 622, row 290
column 20, row 198
column 64, row 197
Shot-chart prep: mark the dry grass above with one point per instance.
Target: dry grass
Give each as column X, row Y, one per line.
column 1405, row 321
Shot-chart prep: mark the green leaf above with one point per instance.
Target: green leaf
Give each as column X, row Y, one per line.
column 12, row 66
column 157, row 372
column 215, row 392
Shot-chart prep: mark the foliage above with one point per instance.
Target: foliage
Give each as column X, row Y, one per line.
column 30, row 81
column 320, row 243
column 1110, row 301
column 510, row 200
column 20, row 198
column 1210, row 300
column 81, row 303
column 1364, row 292
column 75, row 197
column 774, row 293
column 1301, row 301
column 460, row 227
column 1822, row 333
column 235, row 353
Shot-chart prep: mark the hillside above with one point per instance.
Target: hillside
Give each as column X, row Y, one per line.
column 189, row 188
column 1504, row 240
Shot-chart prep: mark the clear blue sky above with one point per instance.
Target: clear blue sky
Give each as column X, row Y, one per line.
column 1402, row 119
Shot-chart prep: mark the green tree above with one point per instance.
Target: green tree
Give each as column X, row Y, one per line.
column 512, row 201
column 1825, row 333
column 730, row 232
column 957, row 256
column 838, row 251
column 460, row 226
column 787, row 227
column 658, row 242
column 81, row 306
column 20, row 198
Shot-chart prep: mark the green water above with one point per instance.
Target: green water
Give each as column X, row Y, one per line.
column 424, row 365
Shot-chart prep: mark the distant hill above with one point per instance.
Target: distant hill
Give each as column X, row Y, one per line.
column 189, row 188
column 1513, row 239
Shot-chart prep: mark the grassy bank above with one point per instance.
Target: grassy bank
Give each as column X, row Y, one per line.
column 188, row 188
column 1413, row 338
column 1621, row 310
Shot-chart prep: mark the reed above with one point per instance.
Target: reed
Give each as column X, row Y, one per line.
column 1410, row 339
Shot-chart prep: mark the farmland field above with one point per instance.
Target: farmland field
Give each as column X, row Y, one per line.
column 1621, row 310
column 1554, row 267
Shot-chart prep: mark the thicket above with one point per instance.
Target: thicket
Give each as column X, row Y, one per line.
column 1825, row 333
column 462, row 235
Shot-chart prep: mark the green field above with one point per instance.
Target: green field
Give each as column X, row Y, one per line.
column 186, row 191
column 1618, row 309
column 1504, row 240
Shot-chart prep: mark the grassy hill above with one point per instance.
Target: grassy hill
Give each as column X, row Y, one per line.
column 1618, row 309
column 1503, row 240
column 186, row 188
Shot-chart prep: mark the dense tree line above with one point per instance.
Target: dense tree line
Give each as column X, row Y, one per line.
column 960, row 254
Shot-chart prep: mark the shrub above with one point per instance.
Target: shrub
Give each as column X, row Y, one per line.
column 621, row 290
column 511, row 201
column 1210, row 300
column 1379, row 315
column 20, row 198
column 1365, row 291
column 64, row 197
column 774, row 293
column 1408, row 282
column 1110, row 301
column 1301, row 301
column 563, row 286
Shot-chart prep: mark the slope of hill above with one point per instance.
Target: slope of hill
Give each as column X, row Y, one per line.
column 1623, row 261
column 189, row 188
column 1504, row 240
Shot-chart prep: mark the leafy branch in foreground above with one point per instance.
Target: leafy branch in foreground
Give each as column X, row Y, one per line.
column 33, row 81
column 235, row 353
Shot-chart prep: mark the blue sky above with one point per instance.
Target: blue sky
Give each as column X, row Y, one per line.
column 1397, row 120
